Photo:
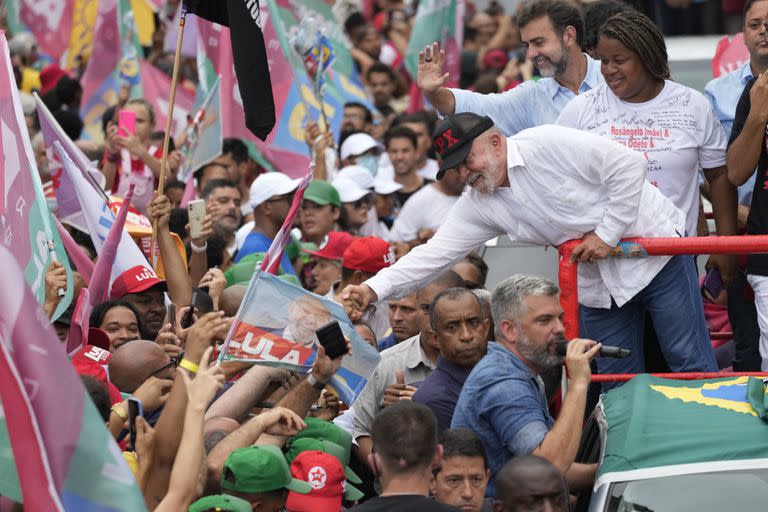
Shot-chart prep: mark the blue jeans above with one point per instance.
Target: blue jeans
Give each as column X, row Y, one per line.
column 673, row 299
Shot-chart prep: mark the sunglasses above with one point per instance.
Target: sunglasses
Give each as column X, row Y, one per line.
column 173, row 364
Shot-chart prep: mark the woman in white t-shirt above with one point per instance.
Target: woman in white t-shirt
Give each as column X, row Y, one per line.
column 673, row 125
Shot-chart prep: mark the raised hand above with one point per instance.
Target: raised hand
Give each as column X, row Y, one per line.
column 398, row 391
column 279, row 421
column 430, row 76
column 153, row 393
column 207, row 381
column 159, row 209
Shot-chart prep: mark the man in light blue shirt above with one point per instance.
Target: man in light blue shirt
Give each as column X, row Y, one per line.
column 553, row 31
column 724, row 93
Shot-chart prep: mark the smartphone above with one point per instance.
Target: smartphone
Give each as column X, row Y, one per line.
column 713, row 283
column 134, row 409
column 196, row 211
column 188, row 318
column 332, row 339
column 172, row 315
column 126, row 122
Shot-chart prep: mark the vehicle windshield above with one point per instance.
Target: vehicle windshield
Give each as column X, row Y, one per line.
column 702, row 492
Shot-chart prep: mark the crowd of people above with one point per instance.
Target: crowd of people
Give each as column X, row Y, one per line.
column 567, row 125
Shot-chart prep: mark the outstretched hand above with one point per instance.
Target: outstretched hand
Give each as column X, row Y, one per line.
column 430, row 76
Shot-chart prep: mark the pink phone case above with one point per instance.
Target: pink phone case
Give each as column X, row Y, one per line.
column 126, row 122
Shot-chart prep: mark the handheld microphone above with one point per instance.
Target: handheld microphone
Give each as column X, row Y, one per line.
column 605, row 350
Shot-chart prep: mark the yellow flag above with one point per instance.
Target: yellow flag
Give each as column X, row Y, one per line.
column 145, row 21
column 81, row 38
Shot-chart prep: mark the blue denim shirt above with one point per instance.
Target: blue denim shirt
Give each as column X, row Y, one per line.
column 504, row 404
column 723, row 93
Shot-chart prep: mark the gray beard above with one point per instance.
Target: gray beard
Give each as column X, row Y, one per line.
column 540, row 358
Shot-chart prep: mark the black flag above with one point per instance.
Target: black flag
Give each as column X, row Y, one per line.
column 250, row 55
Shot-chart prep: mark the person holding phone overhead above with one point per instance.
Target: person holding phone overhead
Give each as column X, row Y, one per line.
column 130, row 156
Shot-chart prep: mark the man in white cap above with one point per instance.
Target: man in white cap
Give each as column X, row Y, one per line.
column 271, row 196
column 361, row 149
column 356, row 202
column 386, row 206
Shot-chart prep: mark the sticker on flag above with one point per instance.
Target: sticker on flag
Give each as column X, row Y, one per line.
column 276, row 326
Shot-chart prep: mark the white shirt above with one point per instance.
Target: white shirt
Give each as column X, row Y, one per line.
column 564, row 183
column 427, row 208
column 242, row 233
column 677, row 132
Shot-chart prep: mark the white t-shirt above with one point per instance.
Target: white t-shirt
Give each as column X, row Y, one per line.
column 677, row 132
column 427, row 208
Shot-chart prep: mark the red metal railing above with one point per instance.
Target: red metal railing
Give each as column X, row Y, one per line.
column 643, row 248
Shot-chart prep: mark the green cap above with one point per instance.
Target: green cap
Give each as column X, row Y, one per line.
column 242, row 271
column 322, row 193
column 259, row 469
column 220, row 502
column 329, row 447
column 326, row 431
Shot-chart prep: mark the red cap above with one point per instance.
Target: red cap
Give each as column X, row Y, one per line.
column 50, row 76
column 326, row 476
column 134, row 280
column 368, row 254
column 98, row 338
column 334, row 245
column 93, row 361
column 495, row 59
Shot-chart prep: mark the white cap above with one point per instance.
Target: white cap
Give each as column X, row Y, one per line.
column 271, row 184
column 358, row 174
column 385, row 187
column 349, row 191
column 357, row 144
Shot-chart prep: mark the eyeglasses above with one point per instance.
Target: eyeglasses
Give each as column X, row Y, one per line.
column 173, row 364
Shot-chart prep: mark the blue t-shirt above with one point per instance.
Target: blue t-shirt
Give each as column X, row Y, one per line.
column 259, row 242
column 504, row 404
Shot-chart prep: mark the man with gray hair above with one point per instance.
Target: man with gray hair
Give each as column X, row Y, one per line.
column 503, row 399
column 548, row 185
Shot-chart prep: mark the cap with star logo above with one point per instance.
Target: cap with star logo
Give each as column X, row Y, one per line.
column 453, row 138
column 325, row 475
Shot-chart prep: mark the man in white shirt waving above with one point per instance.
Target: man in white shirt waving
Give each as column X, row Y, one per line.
column 545, row 186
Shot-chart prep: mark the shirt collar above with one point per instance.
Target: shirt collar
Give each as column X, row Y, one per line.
column 510, row 357
column 592, row 79
column 417, row 356
column 456, row 372
column 745, row 73
column 514, row 158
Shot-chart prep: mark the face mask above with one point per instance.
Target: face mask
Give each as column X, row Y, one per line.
column 370, row 162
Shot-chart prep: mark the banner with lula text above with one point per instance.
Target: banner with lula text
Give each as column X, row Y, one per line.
column 26, row 226
column 276, row 326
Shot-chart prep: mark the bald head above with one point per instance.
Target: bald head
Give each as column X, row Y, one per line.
column 231, row 298
column 529, row 477
column 134, row 362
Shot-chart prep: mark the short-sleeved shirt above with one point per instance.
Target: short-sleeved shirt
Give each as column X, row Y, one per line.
column 408, row 357
column 757, row 221
column 677, row 132
column 440, row 391
column 505, row 404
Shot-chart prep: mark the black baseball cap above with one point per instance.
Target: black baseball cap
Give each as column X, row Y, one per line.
column 453, row 138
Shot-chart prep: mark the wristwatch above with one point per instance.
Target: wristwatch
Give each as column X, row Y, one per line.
column 315, row 383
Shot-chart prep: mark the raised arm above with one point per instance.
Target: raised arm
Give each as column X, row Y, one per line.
column 748, row 131
column 176, row 276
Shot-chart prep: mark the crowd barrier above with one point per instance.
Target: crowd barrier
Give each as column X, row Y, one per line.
column 644, row 248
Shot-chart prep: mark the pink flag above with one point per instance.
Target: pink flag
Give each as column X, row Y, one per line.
column 68, row 206
column 76, row 253
column 729, row 55
column 272, row 260
column 156, row 88
column 189, row 192
column 77, row 336
column 50, row 22
column 63, row 456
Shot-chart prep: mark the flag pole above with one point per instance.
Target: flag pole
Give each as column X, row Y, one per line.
column 166, row 139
